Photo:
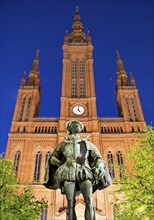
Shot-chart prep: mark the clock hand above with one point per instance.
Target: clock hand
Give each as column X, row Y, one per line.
column 79, row 109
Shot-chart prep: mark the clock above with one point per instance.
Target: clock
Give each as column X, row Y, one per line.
column 78, row 110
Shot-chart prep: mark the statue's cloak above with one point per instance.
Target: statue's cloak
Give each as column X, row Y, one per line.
column 49, row 176
column 50, row 170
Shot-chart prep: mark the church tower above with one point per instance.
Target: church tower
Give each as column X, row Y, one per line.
column 28, row 100
column 33, row 138
column 78, row 100
column 128, row 102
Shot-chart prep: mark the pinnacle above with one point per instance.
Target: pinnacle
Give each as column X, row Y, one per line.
column 77, row 10
column 118, row 55
column 37, row 54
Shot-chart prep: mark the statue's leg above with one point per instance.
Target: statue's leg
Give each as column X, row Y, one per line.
column 69, row 188
column 87, row 191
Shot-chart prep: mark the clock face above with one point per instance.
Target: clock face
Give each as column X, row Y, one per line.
column 78, row 109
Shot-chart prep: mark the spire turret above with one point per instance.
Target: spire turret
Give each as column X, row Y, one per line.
column 77, row 34
column 23, row 79
column 66, row 38
column 89, row 40
column 33, row 78
column 132, row 80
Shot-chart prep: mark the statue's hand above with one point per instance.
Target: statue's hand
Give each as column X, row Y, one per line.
column 55, row 162
column 99, row 171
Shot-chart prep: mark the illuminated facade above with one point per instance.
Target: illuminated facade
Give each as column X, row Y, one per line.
column 32, row 138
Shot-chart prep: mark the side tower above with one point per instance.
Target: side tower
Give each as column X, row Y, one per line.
column 78, row 98
column 28, row 100
column 26, row 109
column 128, row 102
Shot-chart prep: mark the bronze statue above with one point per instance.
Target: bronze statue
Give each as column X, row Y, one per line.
column 76, row 166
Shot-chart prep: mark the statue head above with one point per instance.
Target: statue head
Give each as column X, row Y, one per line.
column 74, row 127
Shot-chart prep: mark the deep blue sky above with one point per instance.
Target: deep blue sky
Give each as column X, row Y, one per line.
column 28, row 25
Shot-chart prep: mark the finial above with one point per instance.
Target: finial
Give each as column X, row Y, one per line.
column 131, row 76
column 89, row 40
column 37, row 54
column 77, row 9
column 132, row 79
column 23, row 79
column 66, row 38
column 118, row 55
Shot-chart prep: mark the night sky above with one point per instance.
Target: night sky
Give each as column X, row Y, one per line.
column 30, row 25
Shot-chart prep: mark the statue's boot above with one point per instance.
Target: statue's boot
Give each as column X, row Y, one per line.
column 90, row 212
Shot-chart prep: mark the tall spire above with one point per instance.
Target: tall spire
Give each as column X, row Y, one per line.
column 120, row 63
column 122, row 78
column 35, row 63
column 33, row 78
column 77, row 34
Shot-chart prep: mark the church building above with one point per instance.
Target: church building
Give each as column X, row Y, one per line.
column 32, row 138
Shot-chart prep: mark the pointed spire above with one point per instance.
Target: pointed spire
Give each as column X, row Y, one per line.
column 33, row 78
column 89, row 40
column 118, row 55
column 66, row 38
column 132, row 80
column 119, row 62
column 77, row 34
column 122, row 78
column 35, row 63
column 23, row 79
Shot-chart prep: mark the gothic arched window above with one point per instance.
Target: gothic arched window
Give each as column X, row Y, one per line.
column 47, row 156
column 74, row 85
column 134, row 108
column 49, row 130
column 16, row 162
column 22, row 108
column 111, row 164
column 37, row 166
column 44, row 214
column 28, row 107
column 120, row 163
column 24, row 130
column 128, row 104
column 82, row 79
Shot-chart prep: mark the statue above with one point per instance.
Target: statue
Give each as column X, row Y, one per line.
column 75, row 167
